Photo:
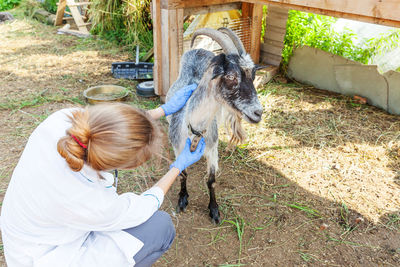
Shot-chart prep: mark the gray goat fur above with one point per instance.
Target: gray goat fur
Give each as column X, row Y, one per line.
column 211, row 104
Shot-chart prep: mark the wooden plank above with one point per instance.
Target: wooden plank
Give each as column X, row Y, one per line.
column 270, row 58
column 246, row 34
column 272, row 34
column 85, row 24
column 174, row 4
column 256, row 25
column 210, row 9
column 343, row 14
column 264, row 75
column 388, row 9
column 72, row 18
column 275, row 28
column 273, row 43
column 164, row 52
column 60, row 12
column 279, row 23
column 157, row 42
column 277, row 13
column 180, row 19
column 270, row 48
column 175, row 26
column 148, row 54
column 79, row 4
column 65, row 30
column 77, row 17
column 254, row 12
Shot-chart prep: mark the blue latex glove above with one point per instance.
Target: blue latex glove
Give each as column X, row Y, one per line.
column 178, row 100
column 187, row 158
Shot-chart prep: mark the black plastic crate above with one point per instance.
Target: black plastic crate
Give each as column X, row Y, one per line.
column 132, row 71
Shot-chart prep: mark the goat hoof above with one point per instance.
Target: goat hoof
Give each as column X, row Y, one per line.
column 214, row 214
column 182, row 203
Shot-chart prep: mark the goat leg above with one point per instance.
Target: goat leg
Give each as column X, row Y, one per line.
column 183, row 194
column 213, row 206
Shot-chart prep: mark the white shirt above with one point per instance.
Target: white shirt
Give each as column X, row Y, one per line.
column 53, row 216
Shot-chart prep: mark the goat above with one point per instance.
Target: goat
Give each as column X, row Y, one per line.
column 225, row 83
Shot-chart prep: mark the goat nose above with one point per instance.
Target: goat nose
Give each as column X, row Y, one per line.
column 258, row 112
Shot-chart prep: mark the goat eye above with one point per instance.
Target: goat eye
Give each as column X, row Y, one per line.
column 230, row 77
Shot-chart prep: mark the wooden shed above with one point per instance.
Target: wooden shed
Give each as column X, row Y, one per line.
column 168, row 17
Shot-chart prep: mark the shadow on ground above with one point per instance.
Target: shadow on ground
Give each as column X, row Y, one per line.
column 269, row 220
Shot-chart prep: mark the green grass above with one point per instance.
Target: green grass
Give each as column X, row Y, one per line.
column 309, row 211
column 393, row 222
column 38, row 100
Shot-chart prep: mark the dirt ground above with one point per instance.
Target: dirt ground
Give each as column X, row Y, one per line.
column 317, row 182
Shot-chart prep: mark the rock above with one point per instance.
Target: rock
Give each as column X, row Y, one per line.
column 4, row 16
column 44, row 16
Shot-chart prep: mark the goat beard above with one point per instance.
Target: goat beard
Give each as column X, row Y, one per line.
column 233, row 123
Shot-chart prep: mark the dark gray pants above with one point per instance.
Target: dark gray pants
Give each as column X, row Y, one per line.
column 157, row 234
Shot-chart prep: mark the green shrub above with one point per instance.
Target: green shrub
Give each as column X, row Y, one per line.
column 8, row 4
column 317, row 31
column 50, row 5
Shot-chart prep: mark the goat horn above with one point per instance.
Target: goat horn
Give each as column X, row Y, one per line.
column 226, row 43
column 235, row 39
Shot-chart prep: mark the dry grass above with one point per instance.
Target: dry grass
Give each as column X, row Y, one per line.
column 330, row 146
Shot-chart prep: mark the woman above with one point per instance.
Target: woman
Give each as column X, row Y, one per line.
column 61, row 209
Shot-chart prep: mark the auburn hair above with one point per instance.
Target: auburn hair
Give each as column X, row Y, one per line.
column 117, row 136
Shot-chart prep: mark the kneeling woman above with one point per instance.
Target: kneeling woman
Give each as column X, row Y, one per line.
column 61, row 208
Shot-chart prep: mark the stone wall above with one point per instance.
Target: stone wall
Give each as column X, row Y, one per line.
column 335, row 73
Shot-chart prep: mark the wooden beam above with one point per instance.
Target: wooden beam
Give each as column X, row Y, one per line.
column 385, row 9
column 165, row 50
column 60, row 12
column 269, row 58
column 66, row 30
column 338, row 14
column 174, row 4
column 175, row 34
column 210, row 9
column 275, row 30
column 157, row 44
column 255, row 13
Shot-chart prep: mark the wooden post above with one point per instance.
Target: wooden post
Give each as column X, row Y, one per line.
column 275, row 30
column 175, row 35
column 157, row 70
column 60, row 12
column 171, row 48
column 165, row 49
column 254, row 12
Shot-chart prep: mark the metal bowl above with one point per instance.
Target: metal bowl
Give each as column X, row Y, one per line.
column 105, row 93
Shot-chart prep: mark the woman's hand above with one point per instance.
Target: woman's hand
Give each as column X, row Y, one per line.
column 178, row 100
column 184, row 160
column 187, row 158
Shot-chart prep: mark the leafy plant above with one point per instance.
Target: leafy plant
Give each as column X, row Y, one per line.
column 317, row 31
column 50, row 5
column 8, row 4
